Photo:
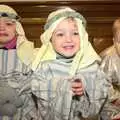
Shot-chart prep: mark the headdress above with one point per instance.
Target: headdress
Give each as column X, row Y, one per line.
column 24, row 47
column 84, row 57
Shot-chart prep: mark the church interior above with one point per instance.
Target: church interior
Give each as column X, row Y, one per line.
column 99, row 14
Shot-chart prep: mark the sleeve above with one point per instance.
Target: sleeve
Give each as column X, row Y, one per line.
column 110, row 66
column 107, row 67
column 20, row 106
column 29, row 110
column 91, row 103
column 111, row 70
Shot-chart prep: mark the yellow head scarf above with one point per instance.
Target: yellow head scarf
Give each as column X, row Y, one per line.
column 24, row 47
column 84, row 57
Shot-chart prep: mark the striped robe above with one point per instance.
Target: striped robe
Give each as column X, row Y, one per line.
column 14, row 73
column 51, row 83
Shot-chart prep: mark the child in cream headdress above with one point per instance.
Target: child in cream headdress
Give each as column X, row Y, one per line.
column 111, row 66
column 14, row 70
column 67, row 81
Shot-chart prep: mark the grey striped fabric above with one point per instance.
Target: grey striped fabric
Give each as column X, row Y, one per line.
column 10, row 63
column 52, row 85
column 13, row 75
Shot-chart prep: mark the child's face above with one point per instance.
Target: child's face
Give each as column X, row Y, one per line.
column 117, row 41
column 7, row 30
column 65, row 38
column 117, row 46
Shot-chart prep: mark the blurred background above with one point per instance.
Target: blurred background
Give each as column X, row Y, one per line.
column 99, row 14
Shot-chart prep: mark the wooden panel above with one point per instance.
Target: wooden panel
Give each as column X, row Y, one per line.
column 99, row 14
column 99, row 43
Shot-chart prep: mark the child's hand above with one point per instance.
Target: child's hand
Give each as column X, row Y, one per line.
column 116, row 117
column 116, row 102
column 77, row 87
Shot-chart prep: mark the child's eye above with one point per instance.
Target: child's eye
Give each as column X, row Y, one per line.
column 76, row 33
column 60, row 34
column 9, row 23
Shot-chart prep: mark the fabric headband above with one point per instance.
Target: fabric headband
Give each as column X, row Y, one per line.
column 65, row 14
column 9, row 15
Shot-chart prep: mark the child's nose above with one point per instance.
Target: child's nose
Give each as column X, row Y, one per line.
column 68, row 38
column 2, row 26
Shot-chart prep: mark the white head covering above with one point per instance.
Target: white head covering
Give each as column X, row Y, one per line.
column 24, row 47
column 84, row 57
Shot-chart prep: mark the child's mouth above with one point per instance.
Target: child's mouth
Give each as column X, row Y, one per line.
column 3, row 34
column 68, row 47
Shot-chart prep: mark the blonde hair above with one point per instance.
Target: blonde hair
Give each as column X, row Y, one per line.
column 116, row 27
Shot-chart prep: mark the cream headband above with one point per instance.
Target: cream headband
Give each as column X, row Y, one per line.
column 67, row 15
column 9, row 15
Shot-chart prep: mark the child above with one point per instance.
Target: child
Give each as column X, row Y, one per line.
column 67, row 82
column 111, row 66
column 13, row 72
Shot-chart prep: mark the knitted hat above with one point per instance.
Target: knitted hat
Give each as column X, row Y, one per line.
column 84, row 57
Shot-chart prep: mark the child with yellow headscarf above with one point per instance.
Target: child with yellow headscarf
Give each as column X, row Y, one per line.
column 67, row 82
column 14, row 67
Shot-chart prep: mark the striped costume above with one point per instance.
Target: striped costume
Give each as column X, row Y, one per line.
column 52, row 85
column 13, row 74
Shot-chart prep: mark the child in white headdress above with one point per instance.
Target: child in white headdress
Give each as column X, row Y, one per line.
column 14, row 67
column 67, row 81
